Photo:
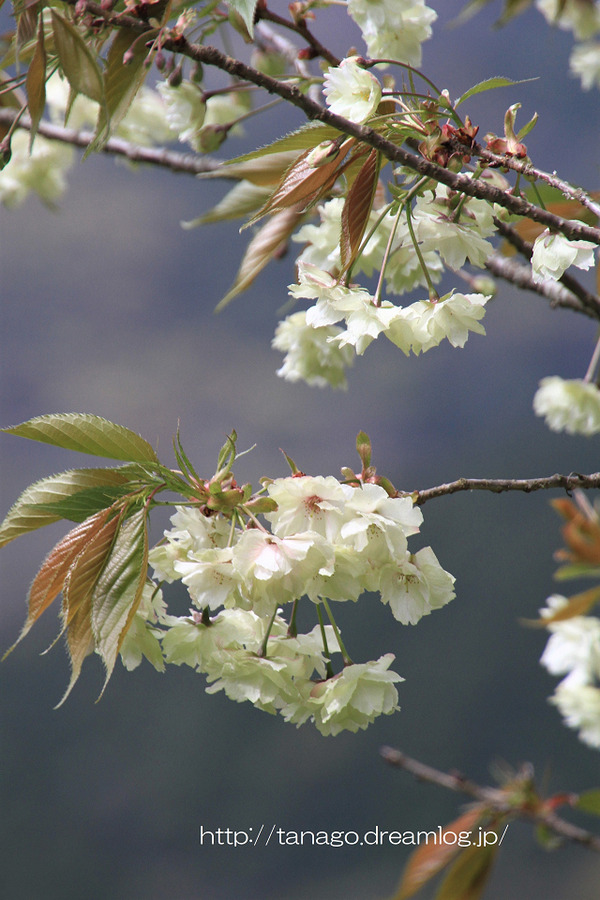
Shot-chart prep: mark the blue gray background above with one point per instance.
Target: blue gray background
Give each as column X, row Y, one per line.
column 108, row 308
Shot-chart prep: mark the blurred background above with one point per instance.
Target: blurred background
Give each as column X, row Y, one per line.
column 108, row 308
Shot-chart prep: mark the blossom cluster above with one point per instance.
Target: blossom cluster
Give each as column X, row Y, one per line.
column 318, row 349
column 573, row 650
column 327, row 541
column 582, row 17
column 571, row 405
column 393, row 29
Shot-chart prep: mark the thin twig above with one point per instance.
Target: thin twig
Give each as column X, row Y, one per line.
column 491, row 797
column 514, row 272
column 500, row 485
column 189, row 163
column 302, row 30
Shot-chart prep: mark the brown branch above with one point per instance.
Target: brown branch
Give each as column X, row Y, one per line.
column 510, row 270
column 524, row 167
column 301, row 29
column 315, row 112
column 189, row 163
column 495, row 798
column 500, row 485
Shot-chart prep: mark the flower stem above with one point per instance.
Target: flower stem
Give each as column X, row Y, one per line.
column 433, row 294
column 592, row 373
column 345, row 655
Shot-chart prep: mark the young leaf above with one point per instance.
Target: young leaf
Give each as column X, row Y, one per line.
column 76, row 59
column 468, row 876
column 122, row 81
column 35, row 83
column 241, row 200
column 33, row 509
column 488, row 85
column 49, row 581
column 589, row 802
column 304, row 183
column 431, row 857
column 357, row 209
column 264, row 246
column 246, row 9
column 77, row 598
column 87, row 434
column 86, row 503
column 118, row 590
column 262, row 171
column 577, row 605
column 304, row 138
column 363, row 448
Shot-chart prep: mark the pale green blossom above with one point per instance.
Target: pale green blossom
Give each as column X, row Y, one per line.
column 393, row 29
column 568, row 405
column 185, row 109
column 351, row 91
column 349, row 701
column 554, row 253
column 573, row 645
column 42, row 171
column 582, row 17
column 579, row 704
column 415, row 585
column 585, row 63
column 142, row 638
column 309, row 354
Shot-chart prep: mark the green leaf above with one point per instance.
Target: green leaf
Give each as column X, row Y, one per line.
column 490, row 84
column 87, row 434
column 122, row 81
column 589, row 802
column 35, row 83
column 304, row 138
column 468, row 876
column 264, row 246
column 118, row 590
column 246, row 9
column 77, row 61
column 83, row 504
column 33, row 509
column 241, row 200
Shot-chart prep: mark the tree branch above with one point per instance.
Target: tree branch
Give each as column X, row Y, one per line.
column 515, row 273
column 495, row 798
column 501, row 485
column 315, row 112
column 524, row 167
column 189, row 163
column 302, row 30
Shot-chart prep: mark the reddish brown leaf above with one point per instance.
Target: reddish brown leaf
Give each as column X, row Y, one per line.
column 84, row 572
column 357, row 209
column 265, row 245
column 577, row 605
column 49, row 581
column 305, row 182
column 80, row 641
column 432, row 855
